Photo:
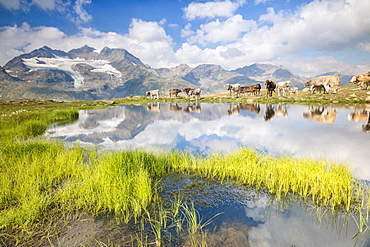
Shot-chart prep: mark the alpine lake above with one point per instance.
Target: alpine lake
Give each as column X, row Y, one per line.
column 231, row 214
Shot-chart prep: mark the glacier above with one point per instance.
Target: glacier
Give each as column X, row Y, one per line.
column 66, row 64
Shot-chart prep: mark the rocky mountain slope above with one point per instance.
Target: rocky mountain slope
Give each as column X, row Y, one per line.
column 88, row 74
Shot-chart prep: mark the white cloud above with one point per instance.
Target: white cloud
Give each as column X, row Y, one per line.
column 11, row 4
column 82, row 15
column 211, row 9
column 312, row 37
column 45, row 4
column 312, row 40
column 218, row 31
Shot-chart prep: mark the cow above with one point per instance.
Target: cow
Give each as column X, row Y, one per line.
column 329, row 81
column 270, row 86
column 362, row 80
column 174, row 91
column 321, row 115
column 282, row 87
column 247, row 89
column 257, row 87
column 234, row 88
column 293, row 90
column 187, row 90
column 153, row 94
column 195, row 93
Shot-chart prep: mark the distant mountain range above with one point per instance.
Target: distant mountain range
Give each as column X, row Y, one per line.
column 87, row 74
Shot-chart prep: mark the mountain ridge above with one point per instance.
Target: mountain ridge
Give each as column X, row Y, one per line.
column 85, row 73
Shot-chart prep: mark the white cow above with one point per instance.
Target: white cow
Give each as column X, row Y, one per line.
column 327, row 82
column 234, row 88
column 153, row 94
column 293, row 90
column 282, row 87
column 195, row 93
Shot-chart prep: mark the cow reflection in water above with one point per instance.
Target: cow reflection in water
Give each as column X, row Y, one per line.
column 281, row 111
column 193, row 108
column 153, row 107
column 321, row 114
column 361, row 116
column 269, row 112
column 235, row 109
column 175, row 107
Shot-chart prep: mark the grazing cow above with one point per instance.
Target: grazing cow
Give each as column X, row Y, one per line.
column 153, row 94
column 362, row 80
column 234, row 88
column 270, row 86
column 282, row 87
column 257, row 87
column 195, row 93
column 321, row 115
column 187, row 91
column 174, row 92
column 247, row 89
column 293, row 90
column 330, row 81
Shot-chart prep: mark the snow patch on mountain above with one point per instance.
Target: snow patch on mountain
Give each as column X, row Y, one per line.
column 66, row 64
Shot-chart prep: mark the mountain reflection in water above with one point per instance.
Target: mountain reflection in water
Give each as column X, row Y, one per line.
column 339, row 134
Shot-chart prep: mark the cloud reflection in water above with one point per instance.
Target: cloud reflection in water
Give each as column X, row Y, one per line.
column 207, row 128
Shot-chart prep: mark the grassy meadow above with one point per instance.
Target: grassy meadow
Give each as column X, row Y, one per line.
column 44, row 181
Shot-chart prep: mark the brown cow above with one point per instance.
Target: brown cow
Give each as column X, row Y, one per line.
column 270, row 86
column 257, row 87
column 361, row 80
column 247, row 89
column 174, row 91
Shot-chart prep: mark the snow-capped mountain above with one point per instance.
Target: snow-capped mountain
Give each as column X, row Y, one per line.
column 86, row 74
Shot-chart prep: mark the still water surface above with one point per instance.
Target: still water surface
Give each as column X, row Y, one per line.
column 248, row 219
column 339, row 134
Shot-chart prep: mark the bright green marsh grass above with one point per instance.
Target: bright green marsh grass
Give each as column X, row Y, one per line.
column 40, row 177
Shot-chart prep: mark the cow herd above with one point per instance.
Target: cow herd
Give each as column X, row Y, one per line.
column 189, row 92
column 326, row 83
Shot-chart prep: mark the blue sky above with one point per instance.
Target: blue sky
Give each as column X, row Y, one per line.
column 308, row 37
